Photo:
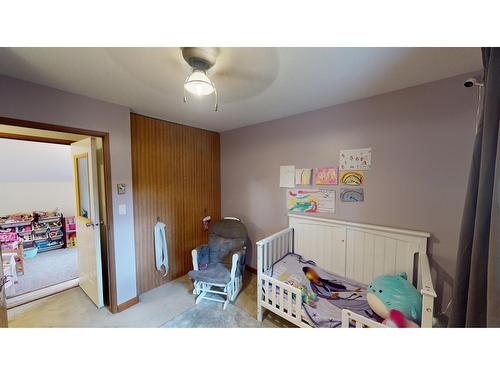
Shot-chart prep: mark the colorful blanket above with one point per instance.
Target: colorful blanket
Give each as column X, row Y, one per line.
column 334, row 292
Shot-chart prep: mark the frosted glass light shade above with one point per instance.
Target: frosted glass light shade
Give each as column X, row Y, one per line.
column 199, row 84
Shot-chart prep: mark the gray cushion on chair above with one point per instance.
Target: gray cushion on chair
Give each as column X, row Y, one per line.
column 229, row 228
column 203, row 252
column 221, row 249
column 215, row 274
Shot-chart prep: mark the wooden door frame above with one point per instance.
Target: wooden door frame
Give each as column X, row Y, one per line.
column 4, row 321
column 110, row 248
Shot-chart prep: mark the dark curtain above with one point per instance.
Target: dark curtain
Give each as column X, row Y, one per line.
column 476, row 292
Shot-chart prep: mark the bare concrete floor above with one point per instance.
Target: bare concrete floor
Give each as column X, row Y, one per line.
column 72, row 308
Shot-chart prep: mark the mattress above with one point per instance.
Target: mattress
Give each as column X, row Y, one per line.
column 333, row 292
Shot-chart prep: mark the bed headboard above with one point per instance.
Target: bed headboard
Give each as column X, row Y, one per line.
column 358, row 251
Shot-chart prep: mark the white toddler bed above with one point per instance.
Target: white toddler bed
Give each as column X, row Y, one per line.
column 353, row 251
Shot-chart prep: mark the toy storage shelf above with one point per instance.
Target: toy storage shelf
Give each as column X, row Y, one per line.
column 70, row 231
column 38, row 237
column 15, row 224
column 50, row 219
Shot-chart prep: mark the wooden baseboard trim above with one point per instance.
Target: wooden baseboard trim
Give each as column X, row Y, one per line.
column 251, row 270
column 125, row 305
column 41, row 293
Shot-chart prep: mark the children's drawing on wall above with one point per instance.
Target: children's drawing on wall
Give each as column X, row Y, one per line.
column 311, row 200
column 326, row 176
column 352, row 177
column 303, row 176
column 287, row 176
column 355, row 159
column 352, row 195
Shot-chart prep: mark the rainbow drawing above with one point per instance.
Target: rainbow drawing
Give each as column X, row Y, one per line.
column 352, row 177
column 352, row 195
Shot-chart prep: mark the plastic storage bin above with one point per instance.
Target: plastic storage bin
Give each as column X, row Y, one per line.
column 30, row 253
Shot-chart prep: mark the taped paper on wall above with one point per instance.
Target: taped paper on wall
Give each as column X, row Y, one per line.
column 352, row 177
column 326, row 176
column 355, row 159
column 352, row 195
column 287, row 176
column 303, row 176
column 311, row 200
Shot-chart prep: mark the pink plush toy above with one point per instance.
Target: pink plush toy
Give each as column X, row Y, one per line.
column 396, row 319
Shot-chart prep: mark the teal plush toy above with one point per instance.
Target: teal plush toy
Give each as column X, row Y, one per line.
column 394, row 292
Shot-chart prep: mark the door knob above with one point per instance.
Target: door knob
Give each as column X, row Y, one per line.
column 89, row 225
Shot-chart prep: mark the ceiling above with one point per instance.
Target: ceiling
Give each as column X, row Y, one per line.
column 254, row 84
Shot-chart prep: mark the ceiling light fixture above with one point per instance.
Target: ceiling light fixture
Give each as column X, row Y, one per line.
column 200, row 59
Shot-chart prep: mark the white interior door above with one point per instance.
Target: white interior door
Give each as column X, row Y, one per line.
column 87, row 219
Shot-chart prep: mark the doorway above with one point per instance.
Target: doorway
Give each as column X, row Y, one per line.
column 37, row 218
column 84, row 222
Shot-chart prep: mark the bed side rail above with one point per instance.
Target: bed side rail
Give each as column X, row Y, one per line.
column 427, row 291
column 281, row 298
column 360, row 321
column 272, row 248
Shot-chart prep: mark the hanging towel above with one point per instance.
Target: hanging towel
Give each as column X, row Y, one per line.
column 161, row 251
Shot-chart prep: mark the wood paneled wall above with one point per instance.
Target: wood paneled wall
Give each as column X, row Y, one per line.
column 176, row 176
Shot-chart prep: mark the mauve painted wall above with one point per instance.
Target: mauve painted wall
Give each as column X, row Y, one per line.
column 422, row 143
column 29, row 101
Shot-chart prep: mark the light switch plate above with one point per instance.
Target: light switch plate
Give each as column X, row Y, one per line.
column 122, row 209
